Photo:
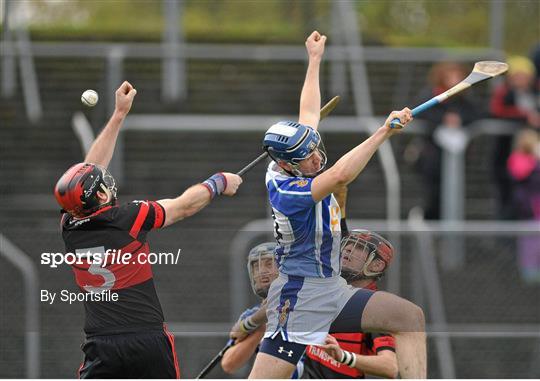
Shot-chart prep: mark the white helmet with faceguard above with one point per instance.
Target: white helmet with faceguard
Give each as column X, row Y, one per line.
column 365, row 255
column 262, row 267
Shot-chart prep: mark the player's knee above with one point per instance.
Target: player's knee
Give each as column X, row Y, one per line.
column 415, row 318
column 392, row 314
column 411, row 317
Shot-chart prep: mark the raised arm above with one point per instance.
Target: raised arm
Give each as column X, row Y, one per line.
column 310, row 99
column 103, row 147
column 353, row 162
column 198, row 196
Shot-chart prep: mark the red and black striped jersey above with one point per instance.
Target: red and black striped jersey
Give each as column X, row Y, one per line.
column 318, row 364
column 118, row 233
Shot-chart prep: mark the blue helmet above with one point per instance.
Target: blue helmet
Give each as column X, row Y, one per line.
column 293, row 142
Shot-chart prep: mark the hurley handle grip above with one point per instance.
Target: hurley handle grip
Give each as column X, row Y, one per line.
column 395, row 123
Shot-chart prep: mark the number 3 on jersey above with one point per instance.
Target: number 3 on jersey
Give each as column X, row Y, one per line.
column 96, row 269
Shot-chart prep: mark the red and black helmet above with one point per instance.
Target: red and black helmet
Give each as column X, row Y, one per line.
column 76, row 191
column 359, row 249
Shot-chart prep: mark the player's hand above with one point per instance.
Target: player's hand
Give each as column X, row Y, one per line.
column 315, row 45
column 124, row 98
column 237, row 334
column 233, row 182
column 404, row 116
column 332, row 347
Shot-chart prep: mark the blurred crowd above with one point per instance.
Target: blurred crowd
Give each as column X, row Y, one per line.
column 516, row 158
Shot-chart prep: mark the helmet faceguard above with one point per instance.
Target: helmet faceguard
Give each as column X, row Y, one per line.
column 292, row 143
column 76, row 191
column 295, row 164
column 359, row 250
column 262, row 268
column 109, row 184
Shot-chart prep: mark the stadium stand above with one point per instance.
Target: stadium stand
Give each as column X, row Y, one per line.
column 163, row 164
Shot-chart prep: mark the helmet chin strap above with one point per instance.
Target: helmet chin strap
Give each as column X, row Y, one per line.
column 263, row 292
column 296, row 170
column 298, row 173
column 323, row 165
column 350, row 276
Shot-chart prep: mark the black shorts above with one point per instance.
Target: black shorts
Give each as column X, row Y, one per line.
column 148, row 354
column 349, row 319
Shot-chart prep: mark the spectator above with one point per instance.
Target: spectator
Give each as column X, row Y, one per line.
column 455, row 113
column 515, row 100
column 524, row 170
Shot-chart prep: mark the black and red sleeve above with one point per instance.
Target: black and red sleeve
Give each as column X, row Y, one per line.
column 139, row 217
column 382, row 342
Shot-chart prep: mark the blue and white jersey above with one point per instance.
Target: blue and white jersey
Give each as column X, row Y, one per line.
column 308, row 232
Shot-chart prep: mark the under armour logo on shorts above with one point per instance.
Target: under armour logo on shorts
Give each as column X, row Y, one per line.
column 289, row 353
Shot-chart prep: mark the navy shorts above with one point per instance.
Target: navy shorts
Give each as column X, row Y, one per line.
column 284, row 350
column 349, row 319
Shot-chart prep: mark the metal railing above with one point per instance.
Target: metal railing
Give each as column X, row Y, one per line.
column 174, row 55
column 18, row 44
column 253, row 52
column 22, row 262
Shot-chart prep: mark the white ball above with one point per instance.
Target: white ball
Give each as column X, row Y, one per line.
column 89, row 98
